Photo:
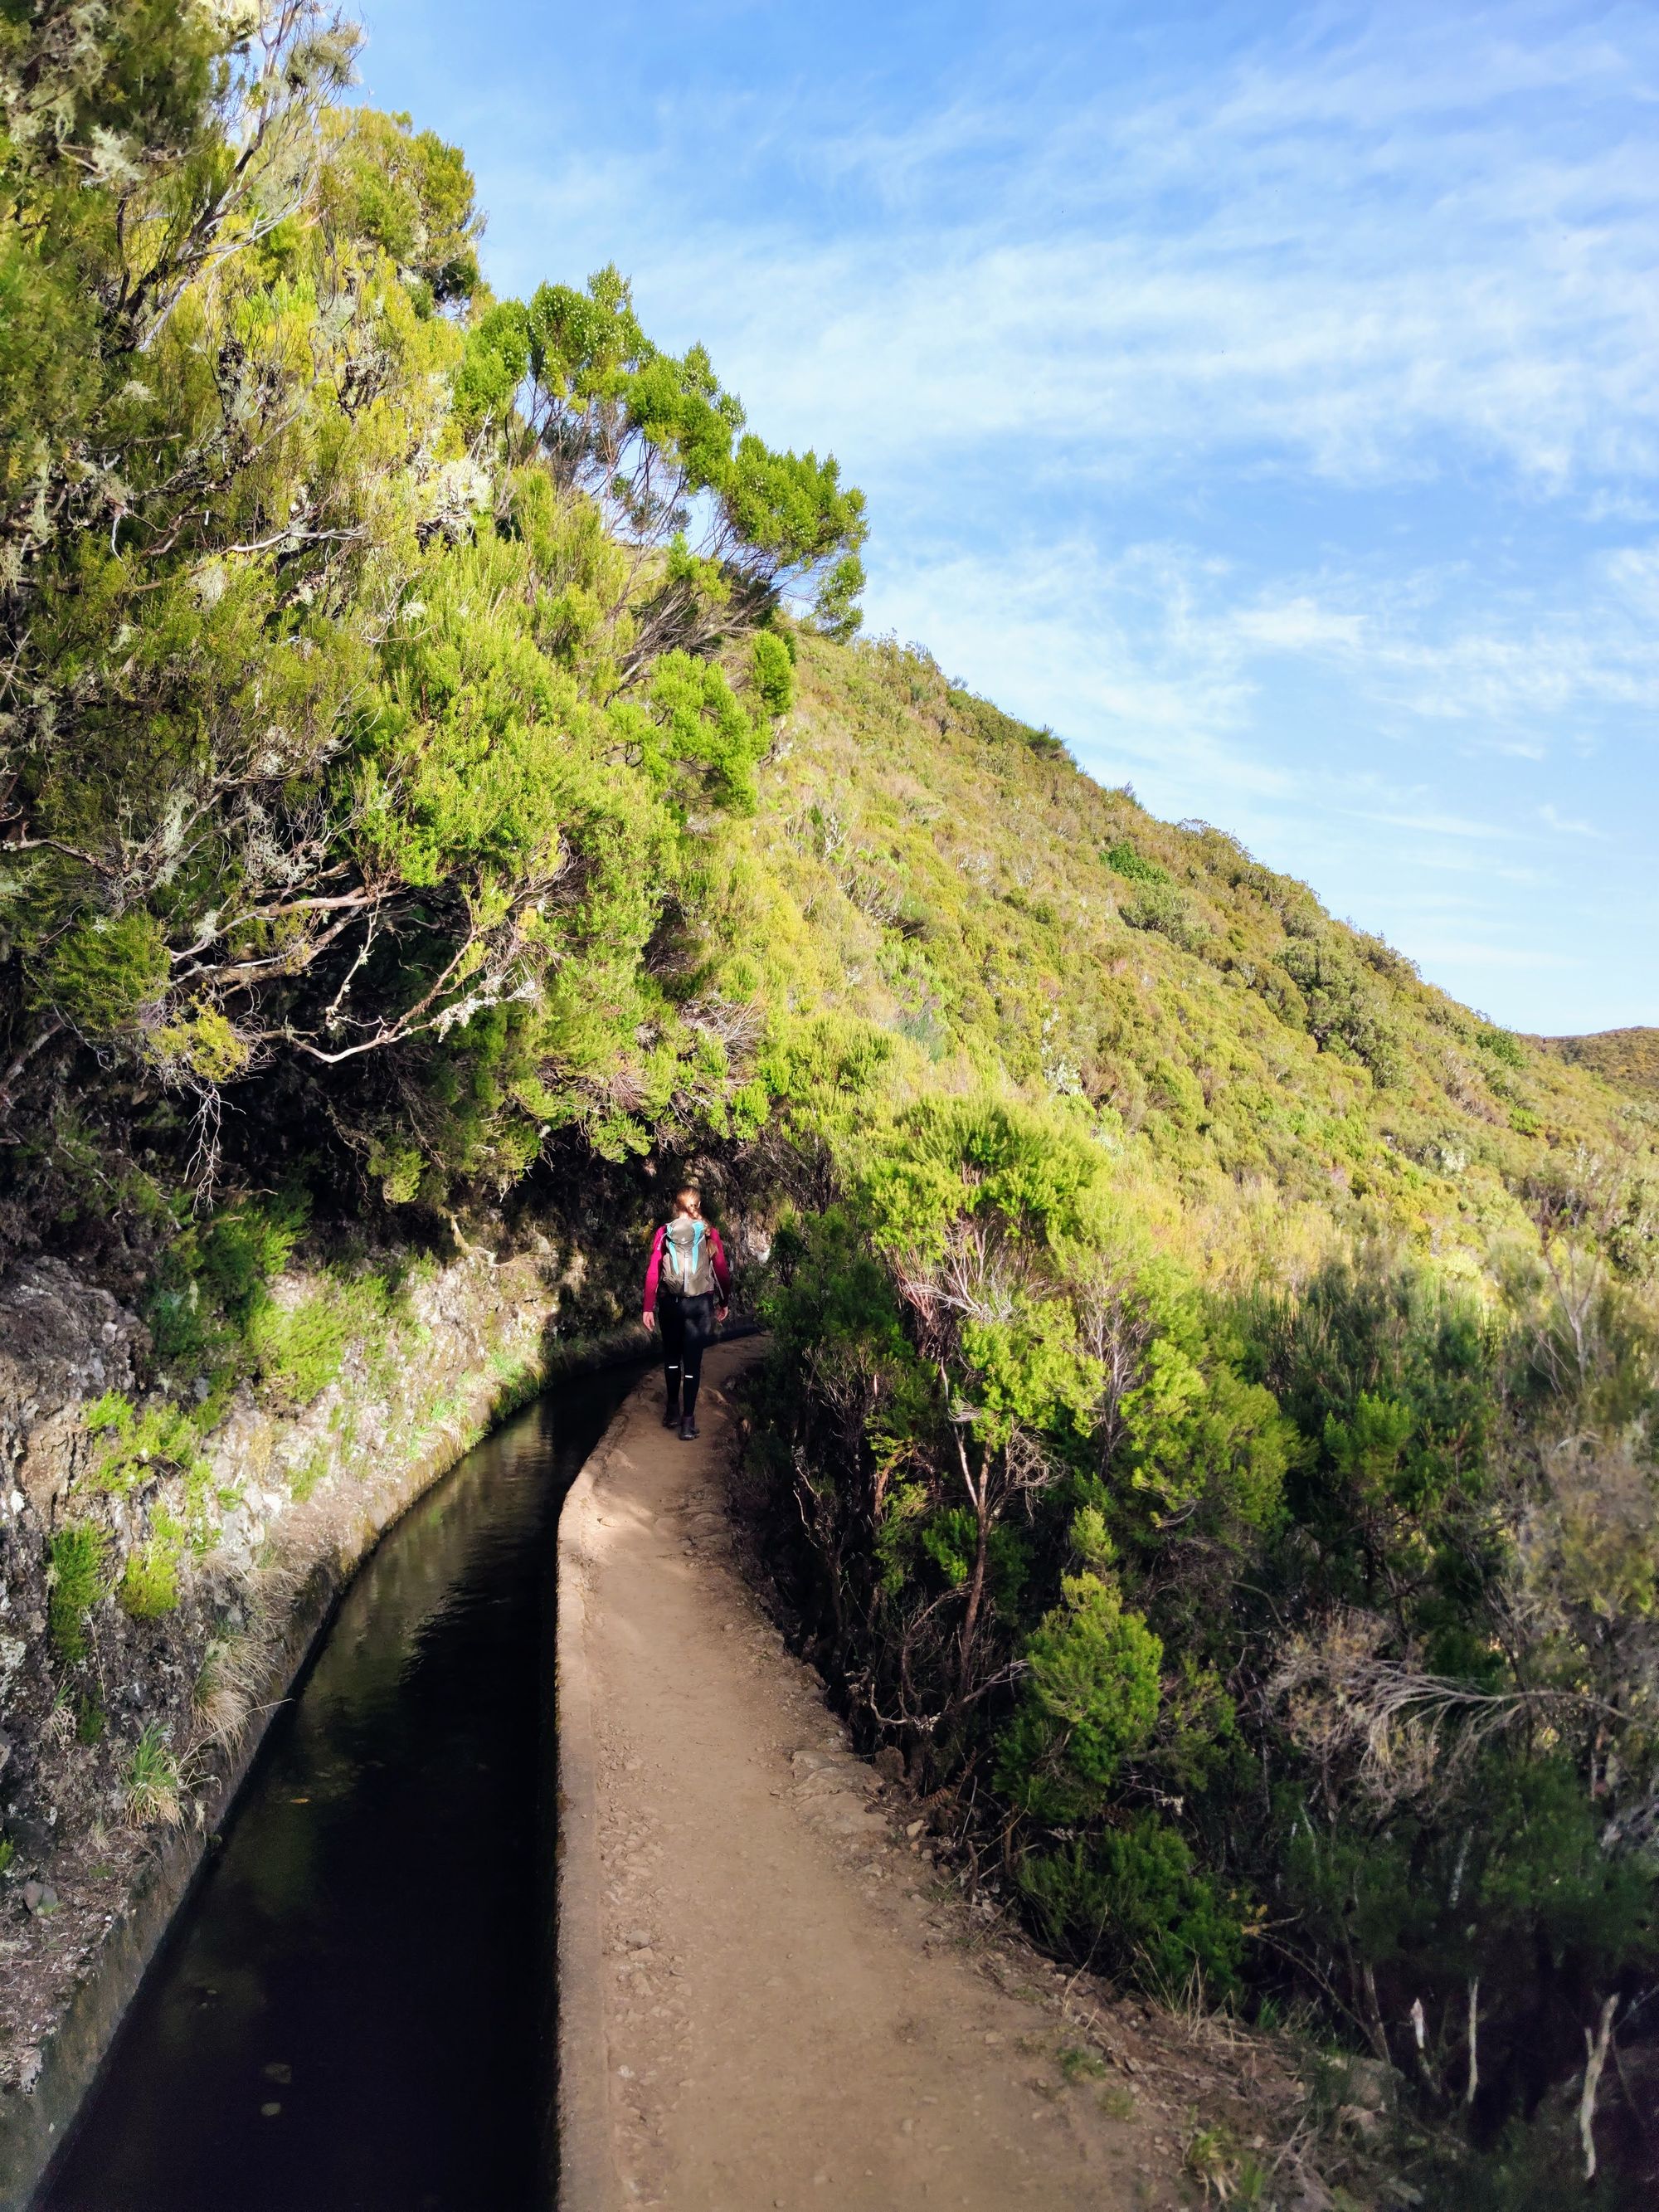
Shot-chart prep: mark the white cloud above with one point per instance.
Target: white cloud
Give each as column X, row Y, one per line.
column 1554, row 820
column 1343, row 256
column 1476, row 952
column 1300, row 625
column 1441, row 825
column 1610, row 506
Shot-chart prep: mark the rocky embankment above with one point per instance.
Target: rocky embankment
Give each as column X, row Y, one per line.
column 158, row 1586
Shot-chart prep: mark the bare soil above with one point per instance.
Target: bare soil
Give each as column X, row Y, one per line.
column 801, row 2006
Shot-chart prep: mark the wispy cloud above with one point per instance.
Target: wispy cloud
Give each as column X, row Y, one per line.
column 1553, row 819
column 1442, row 825
column 1163, row 638
column 1342, row 256
column 1477, row 953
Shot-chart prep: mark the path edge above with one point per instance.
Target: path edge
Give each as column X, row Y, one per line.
column 588, row 2180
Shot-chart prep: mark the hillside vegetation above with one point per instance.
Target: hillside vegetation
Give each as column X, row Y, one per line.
column 1627, row 1058
column 1211, row 1423
column 951, row 875
column 1211, row 1402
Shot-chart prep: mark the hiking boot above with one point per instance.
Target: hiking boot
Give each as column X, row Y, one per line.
column 671, row 1416
column 687, row 1429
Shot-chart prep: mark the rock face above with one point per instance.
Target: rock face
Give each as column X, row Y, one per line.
column 62, row 1342
column 259, row 1518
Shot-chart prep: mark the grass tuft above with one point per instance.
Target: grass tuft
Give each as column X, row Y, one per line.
column 154, row 1794
column 148, row 1588
column 1080, row 2065
column 76, row 1572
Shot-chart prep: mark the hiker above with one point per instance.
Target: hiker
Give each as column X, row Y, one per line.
column 686, row 1287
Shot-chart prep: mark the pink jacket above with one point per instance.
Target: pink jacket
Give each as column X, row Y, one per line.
column 716, row 1254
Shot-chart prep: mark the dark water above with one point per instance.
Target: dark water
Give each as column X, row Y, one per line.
column 371, row 1950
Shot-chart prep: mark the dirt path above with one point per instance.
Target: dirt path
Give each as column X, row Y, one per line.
column 793, row 2011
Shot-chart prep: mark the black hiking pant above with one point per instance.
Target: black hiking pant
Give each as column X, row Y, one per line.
column 687, row 1324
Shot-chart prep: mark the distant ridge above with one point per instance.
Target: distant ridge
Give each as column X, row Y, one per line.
column 1629, row 1058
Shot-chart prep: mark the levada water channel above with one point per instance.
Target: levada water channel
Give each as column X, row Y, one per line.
column 353, row 2012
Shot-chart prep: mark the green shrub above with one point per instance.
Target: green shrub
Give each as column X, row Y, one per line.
column 299, row 1350
column 1131, row 1902
column 399, row 1166
column 138, row 1445
column 214, row 1276
column 1342, row 1013
column 1089, row 1699
column 102, row 972
column 1502, row 1046
column 77, row 1560
column 1126, row 861
column 148, row 1588
column 1161, row 906
column 774, row 671
column 207, row 1045
column 1079, row 2064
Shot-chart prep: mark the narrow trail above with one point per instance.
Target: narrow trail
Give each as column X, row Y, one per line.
column 790, row 2011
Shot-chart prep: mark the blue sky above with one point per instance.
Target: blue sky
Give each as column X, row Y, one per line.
column 1266, row 398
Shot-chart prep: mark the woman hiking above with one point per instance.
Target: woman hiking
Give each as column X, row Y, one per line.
column 686, row 1287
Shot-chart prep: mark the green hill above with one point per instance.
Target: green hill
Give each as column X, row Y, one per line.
column 947, row 873
column 1628, row 1058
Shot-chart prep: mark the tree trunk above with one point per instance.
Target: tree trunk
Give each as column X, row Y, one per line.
column 1595, row 2058
column 975, row 1590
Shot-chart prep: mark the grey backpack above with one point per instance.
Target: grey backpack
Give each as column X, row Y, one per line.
column 687, row 1259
